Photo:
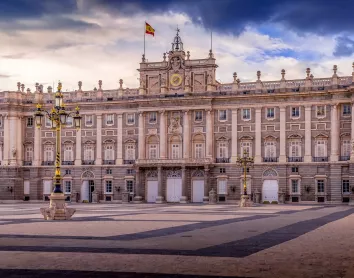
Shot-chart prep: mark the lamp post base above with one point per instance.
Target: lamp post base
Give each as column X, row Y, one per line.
column 245, row 201
column 57, row 208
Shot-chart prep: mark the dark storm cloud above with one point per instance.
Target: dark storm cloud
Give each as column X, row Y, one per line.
column 344, row 46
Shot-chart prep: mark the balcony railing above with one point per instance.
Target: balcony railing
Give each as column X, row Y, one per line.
column 222, row 160
column 67, row 162
column 270, row 159
column 108, row 162
column 129, row 161
column 295, row 159
column 88, row 162
column 320, row 159
column 344, row 158
column 175, row 161
column 47, row 163
column 27, row 163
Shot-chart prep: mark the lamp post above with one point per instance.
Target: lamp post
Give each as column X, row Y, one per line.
column 58, row 117
column 245, row 161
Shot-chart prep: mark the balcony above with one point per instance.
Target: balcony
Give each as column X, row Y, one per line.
column 47, row 163
column 320, row 159
column 176, row 162
column 129, row 161
column 295, row 159
column 270, row 159
column 222, row 160
column 88, row 162
column 344, row 158
column 67, row 162
column 27, row 163
column 108, row 162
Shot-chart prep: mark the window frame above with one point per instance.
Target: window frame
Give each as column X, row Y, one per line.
column 155, row 148
column 130, row 120
column 267, row 114
column 324, row 112
column 66, row 183
column 108, row 185
column 198, row 150
column 317, row 144
column 196, row 119
column 127, row 187
column 88, row 123
column 110, row 122
column 243, row 114
column 29, row 119
column 152, row 120
column 108, row 171
column 344, row 112
column 348, row 185
column 291, row 112
column 323, row 185
column 298, row 186
column 220, row 114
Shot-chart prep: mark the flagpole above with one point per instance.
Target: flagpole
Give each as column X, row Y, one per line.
column 144, row 37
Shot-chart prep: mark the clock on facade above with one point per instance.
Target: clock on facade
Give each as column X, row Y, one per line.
column 176, row 79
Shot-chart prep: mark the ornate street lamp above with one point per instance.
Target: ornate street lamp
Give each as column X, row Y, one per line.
column 245, row 162
column 58, row 117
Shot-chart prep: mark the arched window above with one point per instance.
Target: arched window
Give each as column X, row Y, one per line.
column 68, row 152
column 108, row 152
column 246, row 146
column 153, row 147
column 130, row 151
column 48, row 152
column 321, row 146
column 89, row 152
column 199, row 146
column 175, row 147
column 28, row 153
column 270, row 147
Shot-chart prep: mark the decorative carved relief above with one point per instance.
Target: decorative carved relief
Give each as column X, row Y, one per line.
column 270, row 173
column 87, row 174
column 175, row 125
column 151, row 174
column 198, row 173
column 152, row 131
column 174, row 174
column 198, row 129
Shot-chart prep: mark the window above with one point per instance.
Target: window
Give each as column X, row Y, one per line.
column 347, row 110
column 246, row 148
column 270, row 149
column 295, row 186
column 48, row 153
column 109, row 119
column 69, row 121
column 345, row 150
column 130, row 119
column 345, row 186
column 130, row 171
column 152, row 117
column 67, row 172
column 30, row 122
column 67, row 187
column 198, row 116
column 320, row 186
column 246, row 114
column 153, row 151
column 294, row 169
column 129, row 185
column 29, row 153
column 295, row 148
column 48, row 122
column 175, row 151
column 295, row 112
column 109, row 152
column 109, row 187
column 222, row 150
column 130, row 152
column 89, row 152
column 108, row 171
column 222, row 115
column 321, row 148
column 88, row 120
column 68, row 153
column 198, row 150
column 270, row 113
column 321, row 111
column 222, row 187
column 222, row 170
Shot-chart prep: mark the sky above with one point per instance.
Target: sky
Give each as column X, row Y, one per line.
column 91, row 40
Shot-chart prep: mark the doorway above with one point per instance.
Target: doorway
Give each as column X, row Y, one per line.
column 92, row 188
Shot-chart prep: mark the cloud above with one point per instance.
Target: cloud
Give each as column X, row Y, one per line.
column 344, row 46
column 4, row 76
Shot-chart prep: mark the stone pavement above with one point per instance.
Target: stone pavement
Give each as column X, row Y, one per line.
column 143, row 240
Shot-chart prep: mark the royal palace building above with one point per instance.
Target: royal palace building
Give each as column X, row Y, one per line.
column 177, row 137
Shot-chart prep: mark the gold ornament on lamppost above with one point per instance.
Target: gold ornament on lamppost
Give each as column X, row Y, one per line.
column 245, row 162
column 58, row 117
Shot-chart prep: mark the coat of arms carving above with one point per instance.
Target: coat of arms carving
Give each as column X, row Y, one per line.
column 175, row 125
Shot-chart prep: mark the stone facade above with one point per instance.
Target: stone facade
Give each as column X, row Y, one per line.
column 177, row 137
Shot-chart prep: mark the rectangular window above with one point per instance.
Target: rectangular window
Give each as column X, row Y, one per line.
column 88, row 120
column 109, row 188
column 110, row 119
column 108, row 171
column 130, row 152
column 222, row 170
column 89, row 153
column 321, row 111
column 222, row 150
column 198, row 150
column 130, row 171
column 152, row 117
column 347, row 110
column 130, row 119
column 345, row 186
column 222, row 115
column 246, row 149
column 295, row 186
column 68, row 153
column 67, row 172
column 295, row 149
column 321, row 148
column 198, row 116
column 345, row 148
column 294, row 169
column 48, row 122
column 222, row 187
column 270, row 149
column 67, row 187
column 153, row 152
column 295, row 112
column 29, row 153
column 270, row 113
column 48, row 152
column 109, row 152
column 246, row 114
column 30, row 122
column 130, row 187
column 175, row 151
column 69, row 121
column 320, row 186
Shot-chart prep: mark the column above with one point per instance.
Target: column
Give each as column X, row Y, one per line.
column 99, row 141
column 206, row 185
column 141, row 137
column 282, row 135
column 258, row 135
column 37, row 147
column 78, row 148
column 352, row 134
column 119, row 159
column 163, row 154
column 184, row 197
column 137, row 197
column 186, row 135
column 13, row 134
column 159, row 198
column 334, row 132
column 6, row 149
column 20, row 136
column 308, row 135
column 234, row 136
column 209, row 134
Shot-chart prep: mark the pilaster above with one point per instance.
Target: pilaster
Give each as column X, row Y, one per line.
column 209, row 134
column 78, row 148
column 206, row 185
column 308, row 135
column 99, row 140
column 258, row 135
column 334, row 132
column 163, row 154
column 20, row 136
column 119, row 159
column 184, row 197
column 137, row 188
column 234, row 136
column 159, row 198
column 186, row 135
column 13, row 135
column 282, row 135
column 141, row 136
column 6, row 150
column 37, row 147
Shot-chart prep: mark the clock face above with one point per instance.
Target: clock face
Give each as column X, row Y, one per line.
column 176, row 79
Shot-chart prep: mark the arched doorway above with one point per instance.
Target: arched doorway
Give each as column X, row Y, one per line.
column 270, row 187
column 87, row 186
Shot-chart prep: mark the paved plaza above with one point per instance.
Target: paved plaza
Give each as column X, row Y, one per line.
column 141, row 240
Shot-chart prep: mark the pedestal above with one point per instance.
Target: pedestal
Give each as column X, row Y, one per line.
column 125, row 197
column 258, row 196
column 351, row 201
column 245, row 201
column 206, row 199
column 159, row 200
column 94, row 197
column 184, row 200
column 281, row 197
column 57, row 208
column 138, row 199
column 212, row 197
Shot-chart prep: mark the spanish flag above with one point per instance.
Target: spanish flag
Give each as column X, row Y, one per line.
column 149, row 30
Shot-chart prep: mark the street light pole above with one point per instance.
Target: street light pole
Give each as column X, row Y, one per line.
column 245, row 161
